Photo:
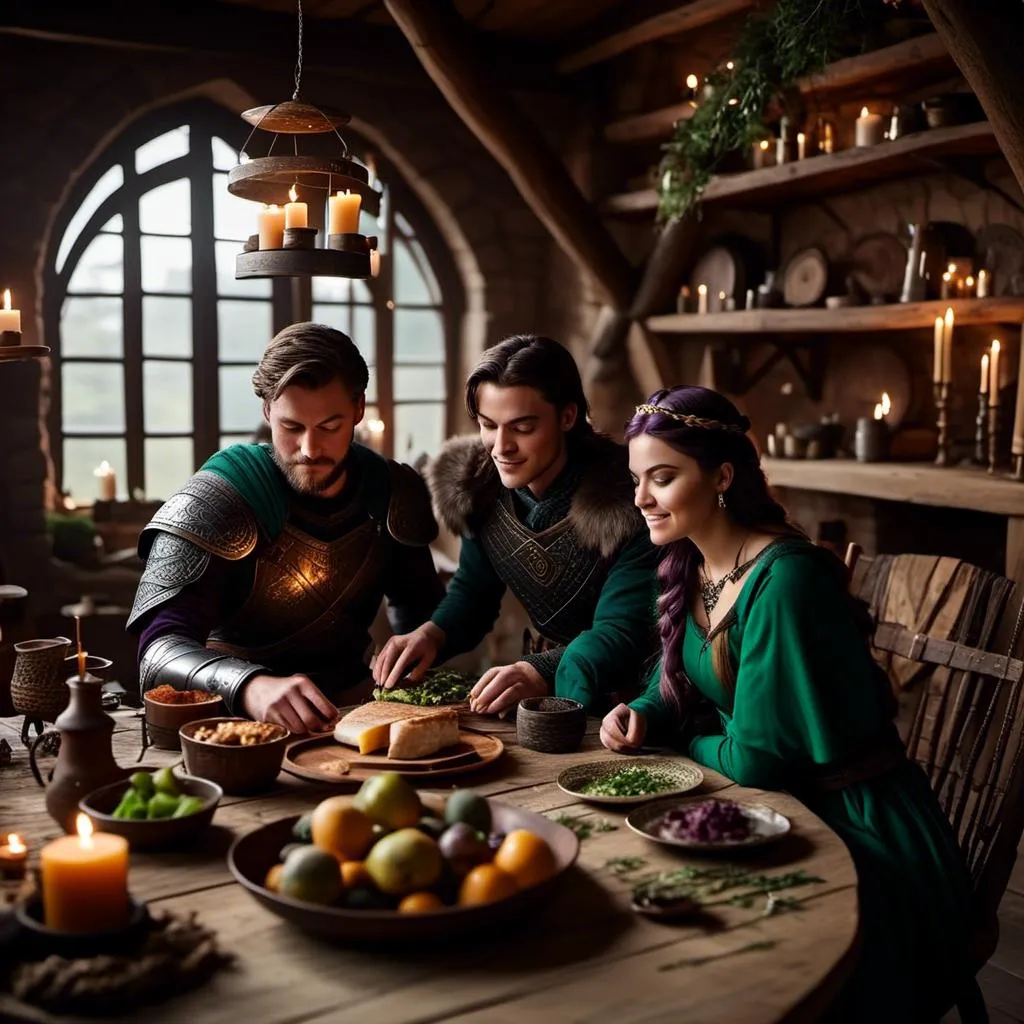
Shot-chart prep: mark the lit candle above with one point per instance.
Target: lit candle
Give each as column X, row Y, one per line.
column 801, row 145
column 271, row 227
column 85, row 881
column 374, row 262
column 983, row 281
column 104, row 472
column 702, row 298
column 947, row 347
column 13, row 857
column 721, row 302
column 82, row 656
column 868, row 129
column 295, row 213
column 993, row 395
column 692, row 81
column 376, row 431
column 761, row 154
column 947, row 285
column 937, row 362
column 968, row 286
column 983, row 387
column 10, row 319
column 343, row 212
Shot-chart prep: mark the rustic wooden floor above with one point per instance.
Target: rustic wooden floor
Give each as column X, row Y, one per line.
column 1002, row 979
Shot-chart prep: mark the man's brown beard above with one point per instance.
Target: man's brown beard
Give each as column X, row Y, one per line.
column 315, row 486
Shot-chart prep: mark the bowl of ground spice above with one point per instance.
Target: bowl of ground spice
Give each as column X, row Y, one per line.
column 168, row 709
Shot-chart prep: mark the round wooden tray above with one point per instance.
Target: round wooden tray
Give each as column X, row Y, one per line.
column 302, row 263
column 252, row 856
column 12, row 353
column 323, row 759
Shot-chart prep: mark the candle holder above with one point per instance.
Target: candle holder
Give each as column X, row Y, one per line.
column 10, row 338
column 299, row 238
column 349, row 242
column 942, row 423
column 980, row 429
column 38, row 941
column 871, row 440
column 993, row 436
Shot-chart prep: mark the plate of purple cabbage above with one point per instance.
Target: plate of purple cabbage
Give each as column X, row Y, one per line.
column 711, row 823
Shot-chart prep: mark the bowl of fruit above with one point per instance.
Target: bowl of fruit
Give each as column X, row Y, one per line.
column 389, row 864
column 153, row 809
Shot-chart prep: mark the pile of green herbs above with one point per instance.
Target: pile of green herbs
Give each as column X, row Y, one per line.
column 796, row 38
column 634, row 780
column 437, row 687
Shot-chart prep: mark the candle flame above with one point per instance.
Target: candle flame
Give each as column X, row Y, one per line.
column 800, row 137
column 733, row 102
column 83, row 826
column 886, row 403
column 864, row 112
column 7, row 298
column 764, row 145
column 14, row 843
column 293, row 194
column 951, row 269
column 878, row 410
column 995, row 346
column 938, row 323
column 721, row 296
column 947, row 277
column 375, row 426
column 102, row 469
column 949, row 317
column 692, row 81
column 702, row 289
column 729, row 66
column 969, row 281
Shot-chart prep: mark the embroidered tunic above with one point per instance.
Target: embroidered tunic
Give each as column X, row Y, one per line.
column 805, row 695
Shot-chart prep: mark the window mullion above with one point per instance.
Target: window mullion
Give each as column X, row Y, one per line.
column 382, row 296
column 133, row 398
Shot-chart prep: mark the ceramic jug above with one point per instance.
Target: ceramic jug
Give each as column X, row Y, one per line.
column 86, row 759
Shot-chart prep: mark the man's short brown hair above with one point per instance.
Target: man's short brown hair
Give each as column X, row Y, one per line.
column 310, row 356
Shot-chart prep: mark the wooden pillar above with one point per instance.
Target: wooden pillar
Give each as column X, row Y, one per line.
column 984, row 37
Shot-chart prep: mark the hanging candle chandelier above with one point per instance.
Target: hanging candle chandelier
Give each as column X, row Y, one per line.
column 285, row 184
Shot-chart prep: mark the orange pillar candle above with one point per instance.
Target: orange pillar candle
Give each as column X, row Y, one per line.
column 343, row 213
column 85, row 881
column 271, row 227
column 295, row 213
column 13, row 857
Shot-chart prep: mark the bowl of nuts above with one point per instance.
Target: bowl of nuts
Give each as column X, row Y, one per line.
column 239, row 755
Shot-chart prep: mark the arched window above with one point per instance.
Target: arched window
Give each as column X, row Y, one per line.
column 155, row 342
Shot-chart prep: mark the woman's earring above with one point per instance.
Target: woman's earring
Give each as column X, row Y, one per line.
column 721, row 499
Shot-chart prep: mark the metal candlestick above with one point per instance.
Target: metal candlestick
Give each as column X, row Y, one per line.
column 993, row 436
column 980, row 432
column 942, row 423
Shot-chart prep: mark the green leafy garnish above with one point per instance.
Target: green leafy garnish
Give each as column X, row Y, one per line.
column 582, row 828
column 634, row 780
column 438, row 686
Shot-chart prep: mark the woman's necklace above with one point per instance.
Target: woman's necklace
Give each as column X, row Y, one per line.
column 710, row 591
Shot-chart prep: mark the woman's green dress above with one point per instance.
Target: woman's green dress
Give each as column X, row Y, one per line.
column 807, row 693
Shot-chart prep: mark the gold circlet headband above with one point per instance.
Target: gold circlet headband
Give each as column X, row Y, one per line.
column 692, row 421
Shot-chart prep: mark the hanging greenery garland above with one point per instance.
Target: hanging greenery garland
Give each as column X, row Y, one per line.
column 797, row 38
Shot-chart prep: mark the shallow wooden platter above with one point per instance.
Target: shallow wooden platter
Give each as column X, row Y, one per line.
column 323, row 759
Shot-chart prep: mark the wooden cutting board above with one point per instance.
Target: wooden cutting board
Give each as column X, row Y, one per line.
column 323, row 759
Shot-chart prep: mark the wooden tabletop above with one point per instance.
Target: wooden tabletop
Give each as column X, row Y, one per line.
column 587, row 957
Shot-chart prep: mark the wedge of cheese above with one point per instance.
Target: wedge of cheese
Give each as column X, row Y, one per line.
column 424, row 735
column 368, row 727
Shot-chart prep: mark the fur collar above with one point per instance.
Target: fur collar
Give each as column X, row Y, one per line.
column 465, row 484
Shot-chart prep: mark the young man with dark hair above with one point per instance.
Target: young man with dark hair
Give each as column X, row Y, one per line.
column 265, row 571
column 544, row 506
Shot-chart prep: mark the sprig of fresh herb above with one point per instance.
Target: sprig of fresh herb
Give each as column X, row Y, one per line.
column 703, row 884
column 583, row 828
column 624, row 865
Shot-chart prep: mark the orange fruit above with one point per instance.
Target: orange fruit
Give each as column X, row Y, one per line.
column 420, row 903
column 273, row 879
column 340, row 828
column 486, row 884
column 353, row 873
column 526, row 857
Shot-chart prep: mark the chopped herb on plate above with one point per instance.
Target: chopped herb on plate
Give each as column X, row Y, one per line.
column 634, row 780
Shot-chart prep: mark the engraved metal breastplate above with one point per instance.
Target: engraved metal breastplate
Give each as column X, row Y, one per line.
column 556, row 579
column 303, row 596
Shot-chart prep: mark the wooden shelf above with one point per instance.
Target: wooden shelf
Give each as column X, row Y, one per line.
column 866, row 72
column 830, row 172
column 918, row 483
column 897, row 316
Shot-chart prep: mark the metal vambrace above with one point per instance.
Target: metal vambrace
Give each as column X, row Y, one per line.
column 187, row 665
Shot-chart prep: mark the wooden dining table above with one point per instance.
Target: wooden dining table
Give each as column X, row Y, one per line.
column 586, row 956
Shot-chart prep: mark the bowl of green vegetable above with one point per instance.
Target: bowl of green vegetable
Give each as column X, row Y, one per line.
column 154, row 809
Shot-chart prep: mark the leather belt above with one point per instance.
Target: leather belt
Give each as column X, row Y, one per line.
column 897, row 639
column 873, row 761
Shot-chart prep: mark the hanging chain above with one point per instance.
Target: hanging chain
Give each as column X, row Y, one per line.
column 298, row 62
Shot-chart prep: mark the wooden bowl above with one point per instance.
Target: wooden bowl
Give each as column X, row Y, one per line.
column 162, row 832
column 253, row 855
column 553, row 725
column 237, row 770
column 164, row 720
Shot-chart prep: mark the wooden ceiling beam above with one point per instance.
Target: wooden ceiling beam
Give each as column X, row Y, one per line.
column 624, row 31
column 984, row 40
column 446, row 49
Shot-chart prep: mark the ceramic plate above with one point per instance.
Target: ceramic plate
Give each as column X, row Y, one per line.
column 685, row 777
column 766, row 825
column 253, row 854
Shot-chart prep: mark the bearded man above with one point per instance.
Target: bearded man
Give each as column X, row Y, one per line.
column 544, row 506
column 265, row 571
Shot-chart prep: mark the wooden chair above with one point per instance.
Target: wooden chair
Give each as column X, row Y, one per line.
column 966, row 730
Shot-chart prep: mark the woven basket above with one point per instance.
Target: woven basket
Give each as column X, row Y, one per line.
column 38, row 689
column 553, row 725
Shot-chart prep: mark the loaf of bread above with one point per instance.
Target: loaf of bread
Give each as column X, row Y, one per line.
column 424, row 735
